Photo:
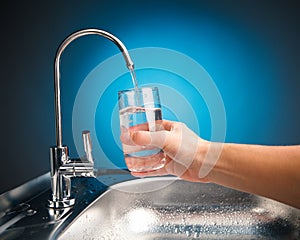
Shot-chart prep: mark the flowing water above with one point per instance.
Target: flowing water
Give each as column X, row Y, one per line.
column 134, row 80
column 141, row 158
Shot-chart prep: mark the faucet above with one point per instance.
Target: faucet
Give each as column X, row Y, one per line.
column 62, row 167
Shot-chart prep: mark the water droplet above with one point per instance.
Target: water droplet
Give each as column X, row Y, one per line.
column 187, row 233
column 30, row 212
column 92, row 191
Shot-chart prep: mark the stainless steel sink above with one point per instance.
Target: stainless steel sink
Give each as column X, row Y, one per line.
column 169, row 208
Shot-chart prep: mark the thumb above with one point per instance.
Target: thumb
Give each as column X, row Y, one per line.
column 142, row 138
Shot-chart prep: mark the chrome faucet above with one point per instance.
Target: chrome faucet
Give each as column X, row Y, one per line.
column 62, row 167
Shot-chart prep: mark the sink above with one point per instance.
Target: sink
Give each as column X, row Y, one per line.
column 170, row 208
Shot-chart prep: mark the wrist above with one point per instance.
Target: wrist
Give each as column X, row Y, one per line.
column 210, row 160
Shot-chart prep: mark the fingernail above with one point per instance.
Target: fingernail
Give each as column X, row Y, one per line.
column 132, row 135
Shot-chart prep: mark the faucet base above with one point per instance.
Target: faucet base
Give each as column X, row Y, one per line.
column 67, row 202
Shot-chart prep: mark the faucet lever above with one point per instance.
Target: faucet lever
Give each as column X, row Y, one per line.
column 87, row 144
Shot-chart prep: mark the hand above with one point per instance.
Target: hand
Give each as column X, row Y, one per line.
column 270, row 171
column 185, row 151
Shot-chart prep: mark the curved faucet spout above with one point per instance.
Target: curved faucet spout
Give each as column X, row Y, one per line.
column 60, row 50
column 62, row 167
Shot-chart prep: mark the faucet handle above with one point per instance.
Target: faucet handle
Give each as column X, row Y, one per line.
column 87, row 144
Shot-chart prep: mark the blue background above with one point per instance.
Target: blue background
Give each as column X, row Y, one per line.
column 250, row 49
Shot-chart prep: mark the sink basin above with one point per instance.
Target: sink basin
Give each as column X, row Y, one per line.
column 169, row 208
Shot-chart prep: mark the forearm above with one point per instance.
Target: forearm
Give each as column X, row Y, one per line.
column 269, row 171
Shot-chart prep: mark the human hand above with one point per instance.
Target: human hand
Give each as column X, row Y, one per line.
column 185, row 151
column 269, row 171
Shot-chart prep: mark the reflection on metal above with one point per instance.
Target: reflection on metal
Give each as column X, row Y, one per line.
column 34, row 220
column 150, row 208
column 183, row 210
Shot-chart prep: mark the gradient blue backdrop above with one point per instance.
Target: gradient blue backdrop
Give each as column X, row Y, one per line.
column 250, row 49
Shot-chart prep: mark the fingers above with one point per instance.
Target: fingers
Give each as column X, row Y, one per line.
column 159, row 172
column 170, row 168
column 168, row 125
column 141, row 138
column 178, row 142
column 156, row 139
column 127, row 134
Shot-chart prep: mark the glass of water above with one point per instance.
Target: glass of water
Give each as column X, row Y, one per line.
column 140, row 109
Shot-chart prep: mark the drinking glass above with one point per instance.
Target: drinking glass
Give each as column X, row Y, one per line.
column 140, row 109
